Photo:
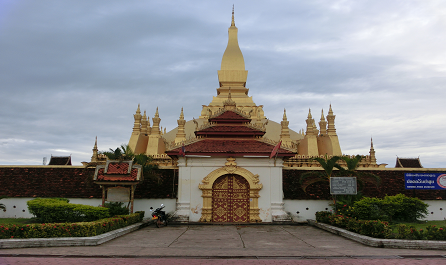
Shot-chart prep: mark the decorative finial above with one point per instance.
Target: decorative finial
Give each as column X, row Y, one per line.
column 232, row 18
column 156, row 112
column 284, row 117
column 181, row 114
column 322, row 115
column 138, row 109
column 309, row 115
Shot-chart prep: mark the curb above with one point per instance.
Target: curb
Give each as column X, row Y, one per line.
column 70, row 241
column 379, row 242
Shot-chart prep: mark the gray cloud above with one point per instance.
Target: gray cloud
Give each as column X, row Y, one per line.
column 73, row 70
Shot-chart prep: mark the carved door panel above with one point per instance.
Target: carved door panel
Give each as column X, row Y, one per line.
column 231, row 199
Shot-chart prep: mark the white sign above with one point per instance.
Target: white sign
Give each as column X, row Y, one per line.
column 118, row 194
column 343, row 185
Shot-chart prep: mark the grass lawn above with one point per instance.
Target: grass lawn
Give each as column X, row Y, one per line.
column 17, row 221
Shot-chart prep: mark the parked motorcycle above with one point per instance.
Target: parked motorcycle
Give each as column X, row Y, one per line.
column 159, row 216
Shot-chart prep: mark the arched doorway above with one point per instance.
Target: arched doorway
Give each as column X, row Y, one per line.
column 231, row 199
column 229, row 169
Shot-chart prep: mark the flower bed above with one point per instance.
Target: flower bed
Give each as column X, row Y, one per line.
column 380, row 229
column 81, row 229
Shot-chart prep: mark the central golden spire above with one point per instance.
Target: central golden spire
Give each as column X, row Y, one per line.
column 232, row 70
column 233, row 76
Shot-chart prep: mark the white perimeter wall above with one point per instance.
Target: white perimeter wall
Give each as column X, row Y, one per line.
column 306, row 208
column 21, row 209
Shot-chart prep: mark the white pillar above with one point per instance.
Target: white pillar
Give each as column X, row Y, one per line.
column 276, row 193
column 184, row 191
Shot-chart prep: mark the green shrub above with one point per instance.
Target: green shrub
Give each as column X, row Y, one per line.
column 323, row 216
column 434, row 233
column 390, row 208
column 60, row 210
column 409, row 232
column 81, row 229
column 403, row 208
column 116, row 208
column 369, row 209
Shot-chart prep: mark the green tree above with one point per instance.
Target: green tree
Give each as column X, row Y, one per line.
column 312, row 177
column 125, row 153
column 362, row 177
column 329, row 165
column 122, row 153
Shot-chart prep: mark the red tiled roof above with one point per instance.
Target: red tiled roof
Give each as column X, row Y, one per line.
column 230, row 130
column 114, row 177
column 408, row 163
column 229, row 116
column 118, row 171
column 230, row 146
column 60, row 160
column 118, row 168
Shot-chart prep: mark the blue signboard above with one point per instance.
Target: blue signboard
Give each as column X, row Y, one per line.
column 424, row 181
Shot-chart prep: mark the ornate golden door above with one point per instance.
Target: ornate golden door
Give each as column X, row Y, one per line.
column 231, row 199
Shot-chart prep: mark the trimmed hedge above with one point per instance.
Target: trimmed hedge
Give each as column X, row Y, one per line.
column 82, row 229
column 56, row 210
column 390, row 208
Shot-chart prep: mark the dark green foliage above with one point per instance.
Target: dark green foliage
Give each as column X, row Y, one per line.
column 369, row 209
column 391, row 208
column 403, row 208
column 116, row 208
column 344, row 204
column 81, row 229
column 55, row 210
column 122, row 153
column 323, row 216
column 328, row 165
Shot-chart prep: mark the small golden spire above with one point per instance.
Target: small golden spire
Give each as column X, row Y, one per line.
column 284, row 117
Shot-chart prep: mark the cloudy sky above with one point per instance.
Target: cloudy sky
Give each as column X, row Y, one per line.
column 73, row 70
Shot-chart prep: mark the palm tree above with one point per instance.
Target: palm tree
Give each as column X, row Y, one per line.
column 312, row 177
column 124, row 152
column 362, row 177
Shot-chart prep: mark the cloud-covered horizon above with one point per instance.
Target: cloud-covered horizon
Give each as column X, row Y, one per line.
column 74, row 70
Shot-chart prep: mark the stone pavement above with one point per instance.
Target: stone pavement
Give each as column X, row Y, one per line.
column 224, row 244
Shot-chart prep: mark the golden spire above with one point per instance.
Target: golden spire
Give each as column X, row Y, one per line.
column 156, row 124
column 232, row 69
column 322, row 124
column 285, row 134
column 144, row 123
column 181, row 135
column 372, row 153
column 310, row 124
column 137, row 123
column 331, row 122
column 95, row 151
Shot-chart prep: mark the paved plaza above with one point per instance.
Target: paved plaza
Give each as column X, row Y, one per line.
column 224, row 244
